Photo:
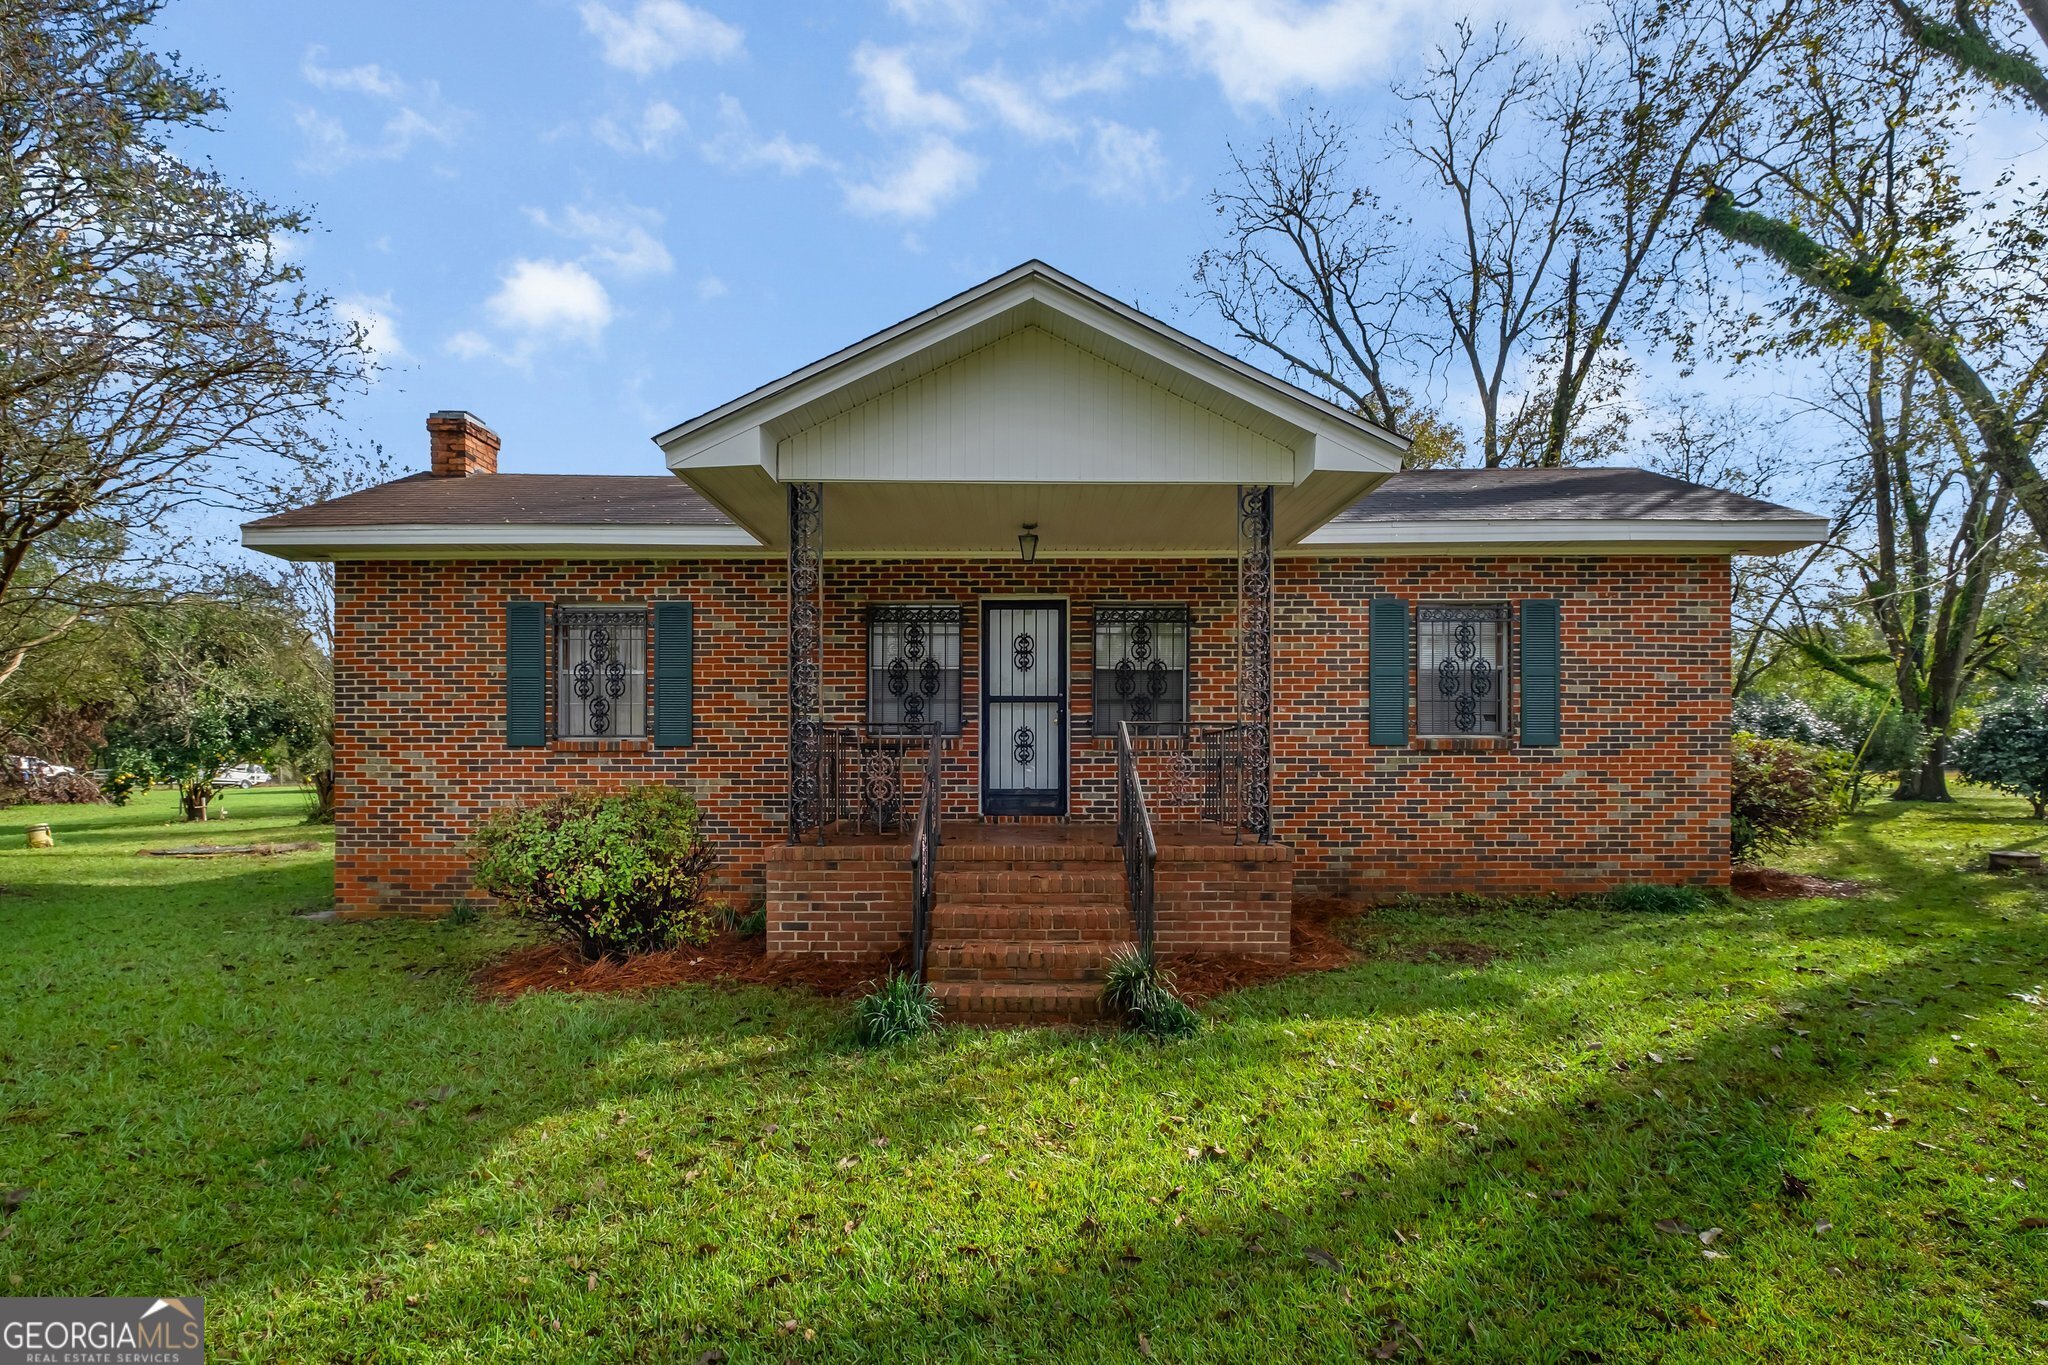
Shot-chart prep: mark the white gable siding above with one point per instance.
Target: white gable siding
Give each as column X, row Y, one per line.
column 1032, row 408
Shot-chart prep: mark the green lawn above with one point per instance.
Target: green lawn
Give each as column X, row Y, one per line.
column 313, row 1125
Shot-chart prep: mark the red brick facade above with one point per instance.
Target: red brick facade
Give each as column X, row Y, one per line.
column 1637, row 791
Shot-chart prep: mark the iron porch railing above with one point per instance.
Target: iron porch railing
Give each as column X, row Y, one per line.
column 925, row 836
column 1135, row 836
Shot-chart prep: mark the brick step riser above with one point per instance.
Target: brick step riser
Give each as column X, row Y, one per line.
column 1078, row 973
column 1018, row 963
column 1106, row 862
column 977, row 1003
column 1024, row 926
column 1094, row 888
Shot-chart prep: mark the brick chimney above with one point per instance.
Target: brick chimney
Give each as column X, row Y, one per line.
column 461, row 445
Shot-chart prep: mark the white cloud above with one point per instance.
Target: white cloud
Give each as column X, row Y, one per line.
column 658, row 34
column 545, row 301
column 376, row 316
column 369, row 79
column 890, row 92
column 1017, row 108
column 963, row 13
column 470, row 346
column 620, row 240
column 1260, row 52
column 653, row 134
column 1127, row 164
column 738, row 148
column 414, row 113
column 710, row 287
column 1104, row 76
column 938, row 170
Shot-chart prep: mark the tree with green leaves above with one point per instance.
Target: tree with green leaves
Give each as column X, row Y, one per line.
column 1544, row 205
column 1874, row 96
column 229, row 678
column 155, row 347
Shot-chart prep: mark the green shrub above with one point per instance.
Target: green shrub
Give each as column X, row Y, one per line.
column 615, row 873
column 1783, row 794
column 1139, row 992
column 2008, row 749
column 1647, row 899
column 901, row 1009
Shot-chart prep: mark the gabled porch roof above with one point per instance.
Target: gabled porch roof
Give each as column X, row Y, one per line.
column 1031, row 398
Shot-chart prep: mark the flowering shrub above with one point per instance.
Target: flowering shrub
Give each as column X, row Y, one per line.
column 1784, row 793
column 615, row 873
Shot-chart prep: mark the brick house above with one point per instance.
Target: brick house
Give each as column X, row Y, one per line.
column 1029, row 625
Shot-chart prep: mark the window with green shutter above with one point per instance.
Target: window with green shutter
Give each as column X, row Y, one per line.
column 674, row 661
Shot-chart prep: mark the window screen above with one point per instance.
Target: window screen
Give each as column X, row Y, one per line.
column 1141, row 669
column 600, row 673
column 1461, row 674
column 913, row 669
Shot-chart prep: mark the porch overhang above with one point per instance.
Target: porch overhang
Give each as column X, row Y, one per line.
column 1031, row 399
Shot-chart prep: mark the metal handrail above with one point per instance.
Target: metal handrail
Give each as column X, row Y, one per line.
column 1135, row 836
column 925, row 838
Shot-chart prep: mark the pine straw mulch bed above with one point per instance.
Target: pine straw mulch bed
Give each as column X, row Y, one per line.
column 729, row 957
column 1775, row 884
column 745, row 961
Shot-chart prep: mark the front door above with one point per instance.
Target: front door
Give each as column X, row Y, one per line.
column 1024, row 708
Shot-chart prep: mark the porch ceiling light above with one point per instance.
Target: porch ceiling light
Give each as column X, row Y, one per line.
column 1027, row 542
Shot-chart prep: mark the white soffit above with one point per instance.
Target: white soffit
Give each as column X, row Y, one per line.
column 1030, row 381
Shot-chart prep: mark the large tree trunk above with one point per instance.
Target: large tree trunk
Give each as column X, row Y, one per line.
column 1930, row 782
column 323, row 796
column 195, row 798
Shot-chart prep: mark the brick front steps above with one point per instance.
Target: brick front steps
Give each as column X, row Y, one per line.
column 1021, row 933
column 1026, row 918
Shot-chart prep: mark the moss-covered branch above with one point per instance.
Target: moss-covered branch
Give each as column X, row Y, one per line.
column 1971, row 48
column 1866, row 292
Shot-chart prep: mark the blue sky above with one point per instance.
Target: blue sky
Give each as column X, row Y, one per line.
column 586, row 220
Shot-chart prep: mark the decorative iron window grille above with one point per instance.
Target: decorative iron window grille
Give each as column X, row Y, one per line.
column 1461, row 674
column 600, row 673
column 913, row 670
column 1141, row 669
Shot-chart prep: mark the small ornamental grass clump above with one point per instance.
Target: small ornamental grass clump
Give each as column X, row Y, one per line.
column 1646, row 899
column 616, row 873
column 1138, row 992
column 902, row 1008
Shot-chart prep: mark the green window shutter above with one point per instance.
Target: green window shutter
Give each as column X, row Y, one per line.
column 1542, row 662
column 1387, row 671
column 526, row 674
column 674, row 723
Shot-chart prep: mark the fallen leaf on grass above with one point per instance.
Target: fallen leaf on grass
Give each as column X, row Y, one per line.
column 1672, row 1227
column 1144, row 1346
column 2025, row 1224
column 1795, row 1189
column 1323, row 1259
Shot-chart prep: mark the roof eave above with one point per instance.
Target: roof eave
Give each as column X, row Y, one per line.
column 1032, row 279
column 1606, row 536
column 458, row 540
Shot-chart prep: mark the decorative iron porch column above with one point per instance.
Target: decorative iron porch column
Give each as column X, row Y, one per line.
column 806, row 656
column 1255, row 658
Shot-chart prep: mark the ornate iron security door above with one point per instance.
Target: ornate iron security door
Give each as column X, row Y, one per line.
column 1024, row 708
